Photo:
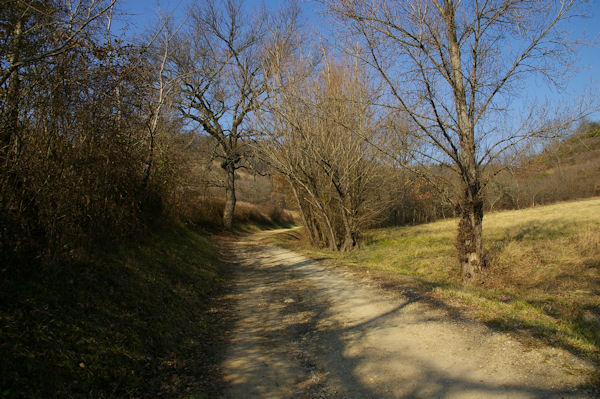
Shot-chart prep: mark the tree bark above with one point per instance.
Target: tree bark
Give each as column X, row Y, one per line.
column 322, row 217
column 229, row 196
column 308, row 220
column 148, row 168
column 469, row 238
column 349, row 237
column 316, row 235
column 331, row 237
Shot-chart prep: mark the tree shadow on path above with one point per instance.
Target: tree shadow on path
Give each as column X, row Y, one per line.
column 291, row 341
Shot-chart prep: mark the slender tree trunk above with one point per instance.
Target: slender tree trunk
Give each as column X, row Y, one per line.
column 318, row 233
column 349, row 237
column 308, row 223
column 331, row 237
column 314, row 230
column 229, row 196
column 149, row 162
column 327, row 229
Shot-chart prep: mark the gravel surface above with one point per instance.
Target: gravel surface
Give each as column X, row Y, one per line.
column 302, row 330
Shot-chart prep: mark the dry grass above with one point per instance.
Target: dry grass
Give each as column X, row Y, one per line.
column 207, row 212
column 543, row 279
column 262, row 215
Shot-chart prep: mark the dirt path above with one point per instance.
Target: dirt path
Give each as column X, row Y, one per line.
column 303, row 330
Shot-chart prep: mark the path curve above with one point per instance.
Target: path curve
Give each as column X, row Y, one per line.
column 306, row 331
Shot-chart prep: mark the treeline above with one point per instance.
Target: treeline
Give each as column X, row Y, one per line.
column 562, row 169
column 565, row 168
column 95, row 146
column 203, row 121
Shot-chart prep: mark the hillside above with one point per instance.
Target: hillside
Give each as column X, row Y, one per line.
column 564, row 170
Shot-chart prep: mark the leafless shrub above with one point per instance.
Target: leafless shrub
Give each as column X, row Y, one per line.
column 332, row 173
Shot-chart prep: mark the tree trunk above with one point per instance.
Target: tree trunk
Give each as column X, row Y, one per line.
column 148, row 167
column 469, row 238
column 331, row 237
column 229, row 196
column 326, row 225
column 309, row 224
column 349, row 237
column 318, row 237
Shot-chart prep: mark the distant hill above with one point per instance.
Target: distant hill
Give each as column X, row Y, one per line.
column 565, row 169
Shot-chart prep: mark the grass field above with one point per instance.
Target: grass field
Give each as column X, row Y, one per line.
column 134, row 321
column 543, row 279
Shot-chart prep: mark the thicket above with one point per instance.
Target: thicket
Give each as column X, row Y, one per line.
column 316, row 136
column 72, row 134
column 93, row 147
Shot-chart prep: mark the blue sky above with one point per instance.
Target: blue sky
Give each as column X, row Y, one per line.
column 141, row 14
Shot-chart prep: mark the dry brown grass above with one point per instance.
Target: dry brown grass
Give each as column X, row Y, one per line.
column 208, row 211
column 247, row 212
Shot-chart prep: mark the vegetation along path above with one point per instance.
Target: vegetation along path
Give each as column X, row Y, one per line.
column 303, row 330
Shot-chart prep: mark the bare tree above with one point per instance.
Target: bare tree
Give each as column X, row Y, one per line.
column 34, row 31
column 36, row 18
column 308, row 139
column 454, row 68
column 221, row 63
column 160, row 48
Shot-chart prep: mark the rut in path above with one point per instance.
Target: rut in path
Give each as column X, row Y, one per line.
column 304, row 330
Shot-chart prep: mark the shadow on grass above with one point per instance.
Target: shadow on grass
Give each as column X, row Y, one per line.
column 538, row 230
column 141, row 320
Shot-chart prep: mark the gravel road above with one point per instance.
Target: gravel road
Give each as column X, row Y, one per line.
column 306, row 331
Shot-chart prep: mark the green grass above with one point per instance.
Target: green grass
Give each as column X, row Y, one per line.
column 134, row 321
column 543, row 279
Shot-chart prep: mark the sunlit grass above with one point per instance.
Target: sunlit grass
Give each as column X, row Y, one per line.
column 543, row 279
